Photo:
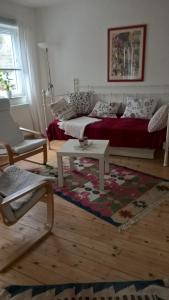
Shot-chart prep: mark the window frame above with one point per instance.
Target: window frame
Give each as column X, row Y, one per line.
column 13, row 31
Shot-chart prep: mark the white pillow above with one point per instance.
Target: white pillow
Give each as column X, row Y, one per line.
column 63, row 110
column 105, row 109
column 159, row 120
column 141, row 108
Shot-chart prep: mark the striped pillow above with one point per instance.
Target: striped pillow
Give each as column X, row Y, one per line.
column 62, row 110
column 159, row 119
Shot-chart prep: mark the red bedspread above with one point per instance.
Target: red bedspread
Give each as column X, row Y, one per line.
column 122, row 132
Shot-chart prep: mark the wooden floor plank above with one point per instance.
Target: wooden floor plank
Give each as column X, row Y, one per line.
column 84, row 248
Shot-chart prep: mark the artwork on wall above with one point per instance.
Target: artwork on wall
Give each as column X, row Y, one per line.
column 126, row 53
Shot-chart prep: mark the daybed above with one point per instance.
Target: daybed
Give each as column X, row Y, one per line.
column 128, row 132
column 122, row 132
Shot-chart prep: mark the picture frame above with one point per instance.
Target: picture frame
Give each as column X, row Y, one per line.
column 126, row 53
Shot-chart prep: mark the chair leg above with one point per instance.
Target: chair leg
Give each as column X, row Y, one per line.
column 10, row 155
column 50, row 208
column 49, row 145
column 45, row 155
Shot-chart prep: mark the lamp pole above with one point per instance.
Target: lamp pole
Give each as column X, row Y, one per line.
column 50, row 85
column 50, row 89
column 44, row 107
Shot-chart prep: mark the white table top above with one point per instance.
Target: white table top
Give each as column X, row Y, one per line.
column 72, row 146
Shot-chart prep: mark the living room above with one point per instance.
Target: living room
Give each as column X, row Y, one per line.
column 85, row 247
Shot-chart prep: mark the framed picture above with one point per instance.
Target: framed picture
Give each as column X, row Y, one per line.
column 126, row 53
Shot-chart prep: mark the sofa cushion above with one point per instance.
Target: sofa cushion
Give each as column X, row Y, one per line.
column 159, row 119
column 105, row 109
column 142, row 108
column 82, row 102
column 63, row 110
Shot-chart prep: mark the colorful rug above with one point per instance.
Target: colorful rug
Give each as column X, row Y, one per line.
column 129, row 290
column 128, row 194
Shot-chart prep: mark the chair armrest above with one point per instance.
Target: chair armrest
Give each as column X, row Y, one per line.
column 25, row 191
column 36, row 133
column 7, row 146
column 3, row 143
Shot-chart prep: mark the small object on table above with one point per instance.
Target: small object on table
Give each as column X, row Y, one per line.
column 83, row 142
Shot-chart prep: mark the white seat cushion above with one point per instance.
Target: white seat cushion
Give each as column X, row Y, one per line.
column 28, row 145
column 9, row 129
column 14, row 179
column 18, row 208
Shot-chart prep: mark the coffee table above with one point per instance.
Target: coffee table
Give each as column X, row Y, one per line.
column 97, row 149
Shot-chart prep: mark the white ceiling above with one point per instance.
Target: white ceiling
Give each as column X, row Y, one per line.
column 35, row 3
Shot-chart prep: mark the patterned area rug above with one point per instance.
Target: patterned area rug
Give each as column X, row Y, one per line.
column 128, row 194
column 131, row 290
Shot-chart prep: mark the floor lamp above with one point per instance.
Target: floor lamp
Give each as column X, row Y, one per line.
column 50, row 89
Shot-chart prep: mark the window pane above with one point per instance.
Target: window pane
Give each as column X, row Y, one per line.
column 11, row 73
column 6, row 51
column 11, row 80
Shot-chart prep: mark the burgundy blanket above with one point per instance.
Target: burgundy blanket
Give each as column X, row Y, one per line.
column 122, row 132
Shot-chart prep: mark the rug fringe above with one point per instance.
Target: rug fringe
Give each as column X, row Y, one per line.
column 136, row 218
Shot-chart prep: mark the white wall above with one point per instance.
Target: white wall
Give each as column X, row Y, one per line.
column 26, row 15
column 77, row 32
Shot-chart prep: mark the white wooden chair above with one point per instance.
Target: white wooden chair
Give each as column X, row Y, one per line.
column 12, row 141
column 20, row 190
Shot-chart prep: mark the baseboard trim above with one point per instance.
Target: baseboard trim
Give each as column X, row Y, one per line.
column 133, row 152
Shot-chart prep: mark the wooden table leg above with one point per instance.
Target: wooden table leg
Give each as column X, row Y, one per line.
column 71, row 160
column 107, row 166
column 101, row 173
column 60, row 170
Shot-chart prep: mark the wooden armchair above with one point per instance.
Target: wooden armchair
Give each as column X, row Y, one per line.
column 12, row 141
column 16, row 202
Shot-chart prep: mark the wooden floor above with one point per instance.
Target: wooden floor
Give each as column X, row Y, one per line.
column 83, row 248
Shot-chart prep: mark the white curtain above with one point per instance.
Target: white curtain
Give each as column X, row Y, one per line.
column 30, row 71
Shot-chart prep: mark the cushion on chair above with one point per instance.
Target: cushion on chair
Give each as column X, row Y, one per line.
column 28, row 145
column 4, row 105
column 9, row 129
column 18, row 208
column 14, row 179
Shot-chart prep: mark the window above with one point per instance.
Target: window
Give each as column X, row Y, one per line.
column 11, row 74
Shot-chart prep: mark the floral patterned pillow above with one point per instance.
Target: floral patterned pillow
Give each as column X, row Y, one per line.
column 104, row 109
column 141, row 108
column 82, row 102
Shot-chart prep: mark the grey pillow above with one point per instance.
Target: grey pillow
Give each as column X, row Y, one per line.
column 63, row 110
